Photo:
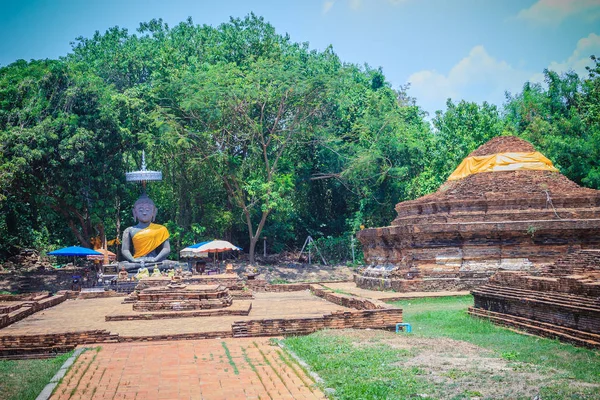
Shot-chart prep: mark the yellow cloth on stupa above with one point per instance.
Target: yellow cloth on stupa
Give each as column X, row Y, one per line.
column 149, row 239
column 502, row 162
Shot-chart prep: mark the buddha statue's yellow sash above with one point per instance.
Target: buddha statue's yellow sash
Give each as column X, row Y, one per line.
column 149, row 239
column 502, row 162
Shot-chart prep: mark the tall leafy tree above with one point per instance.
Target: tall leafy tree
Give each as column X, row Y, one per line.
column 243, row 121
column 561, row 119
column 456, row 132
column 61, row 144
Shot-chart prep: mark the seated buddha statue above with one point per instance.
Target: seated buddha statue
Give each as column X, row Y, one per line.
column 145, row 244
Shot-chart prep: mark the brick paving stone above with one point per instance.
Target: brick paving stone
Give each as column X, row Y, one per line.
column 195, row 369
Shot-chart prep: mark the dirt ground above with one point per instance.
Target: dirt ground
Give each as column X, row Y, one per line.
column 455, row 367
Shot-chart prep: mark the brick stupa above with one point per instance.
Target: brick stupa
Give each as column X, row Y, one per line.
column 473, row 226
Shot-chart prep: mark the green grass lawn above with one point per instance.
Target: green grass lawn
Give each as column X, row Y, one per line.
column 25, row 379
column 359, row 368
column 448, row 317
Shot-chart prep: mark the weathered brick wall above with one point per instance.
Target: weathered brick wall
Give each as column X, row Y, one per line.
column 241, row 294
column 344, row 300
column 182, row 305
column 417, row 285
column 575, row 263
column 28, row 308
column 23, row 296
column 50, row 281
column 539, row 328
column 186, row 313
column 260, row 285
column 420, row 245
column 572, row 316
column 51, row 339
column 99, row 295
column 373, row 319
column 180, row 336
column 189, row 298
column 563, row 300
column 573, row 284
column 43, row 345
column 69, row 294
column 230, row 281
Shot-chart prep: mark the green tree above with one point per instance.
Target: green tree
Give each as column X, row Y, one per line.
column 457, row 132
column 62, row 146
column 372, row 149
column 243, row 122
column 560, row 118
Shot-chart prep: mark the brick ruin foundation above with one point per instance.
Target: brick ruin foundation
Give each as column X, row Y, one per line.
column 457, row 237
column 192, row 297
column 14, row 308
column 364, row 314
column 561, row 301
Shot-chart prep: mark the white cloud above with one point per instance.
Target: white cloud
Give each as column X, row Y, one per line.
column 481, row 77
column 580, row 58
column 553, row 12
column 355, row 4
column 327, row 6
column 477, row 77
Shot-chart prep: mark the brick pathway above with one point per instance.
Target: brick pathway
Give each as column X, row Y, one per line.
column 197, row 369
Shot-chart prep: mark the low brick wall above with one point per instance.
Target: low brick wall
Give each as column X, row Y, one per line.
column 230, row 281
column 561, row 312
column 182, row 336
column 145, row 316
column 27, row 308
column 373, row 319
column 99, row 295
column 69, row 294
column 26, row 346
column 571, row 284
column 50, row 281
column 554, row 331
column 241, row 294
column 23, row 297
column 260, row 285
column 344, row 300
column 8, row 308
column 418, row 285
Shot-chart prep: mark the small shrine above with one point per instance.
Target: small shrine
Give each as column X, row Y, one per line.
column 506, row 207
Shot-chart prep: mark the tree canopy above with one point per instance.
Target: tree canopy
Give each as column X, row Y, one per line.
column 257, row 136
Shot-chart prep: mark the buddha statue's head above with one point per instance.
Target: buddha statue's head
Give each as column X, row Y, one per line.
column 144, row 209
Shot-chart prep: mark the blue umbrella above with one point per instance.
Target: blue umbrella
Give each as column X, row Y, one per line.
column 74, row 251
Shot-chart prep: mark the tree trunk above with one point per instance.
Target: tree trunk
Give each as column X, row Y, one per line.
column 252, row 249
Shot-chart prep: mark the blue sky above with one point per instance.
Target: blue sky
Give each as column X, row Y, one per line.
column 463, row 49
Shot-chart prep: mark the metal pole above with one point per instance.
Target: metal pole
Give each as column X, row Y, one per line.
column 265, row 246
column 352, row 245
